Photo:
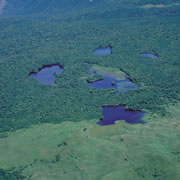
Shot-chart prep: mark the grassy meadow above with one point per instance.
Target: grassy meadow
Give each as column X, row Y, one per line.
column 84, row 150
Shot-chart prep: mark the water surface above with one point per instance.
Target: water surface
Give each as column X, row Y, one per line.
column 125, row 85
column 112, row 81
column 115, row 113
column 103, row 51
column 144, row 54
column 45, row 75
column 107, row 82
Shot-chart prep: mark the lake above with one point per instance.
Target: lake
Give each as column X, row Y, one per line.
column 115, row 113
column 154, row 56
column 45, row 75
column 122, row 84
column 103, row 50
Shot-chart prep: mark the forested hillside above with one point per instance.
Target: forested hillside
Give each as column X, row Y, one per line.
column 29, row 43
column 51, row 131
column 54, row 7
column 44, row 7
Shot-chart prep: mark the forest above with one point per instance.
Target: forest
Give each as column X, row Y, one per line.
column 6, row 175
column 27, row 46
column 46, row 128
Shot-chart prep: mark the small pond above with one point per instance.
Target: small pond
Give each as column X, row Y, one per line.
column 115, row 113
column 110, row 81
column 45, row 75
column 107, row 82
column 145, row 54
column 103, row 50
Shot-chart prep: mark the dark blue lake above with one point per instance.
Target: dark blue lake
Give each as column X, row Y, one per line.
column 45, row 75
column 103, row 51
column 114, row 113
column 149, row 55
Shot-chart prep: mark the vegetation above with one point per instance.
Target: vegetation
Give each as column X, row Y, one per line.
column 6, row 175
column 29, row 43
column 94, row 78
column 110, row 70
column 50, row 132
column 85, row 150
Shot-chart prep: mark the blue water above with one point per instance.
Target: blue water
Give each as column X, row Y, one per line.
column 110, row 82
column 149, row 55
column 114, row 113
column 125, row 85
column 105, row 83
column 45, row 75
column 103, row 51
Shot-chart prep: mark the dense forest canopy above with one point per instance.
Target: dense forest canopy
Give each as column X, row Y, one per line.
column 55, row 7
column 55, row 126
column 29, row 43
